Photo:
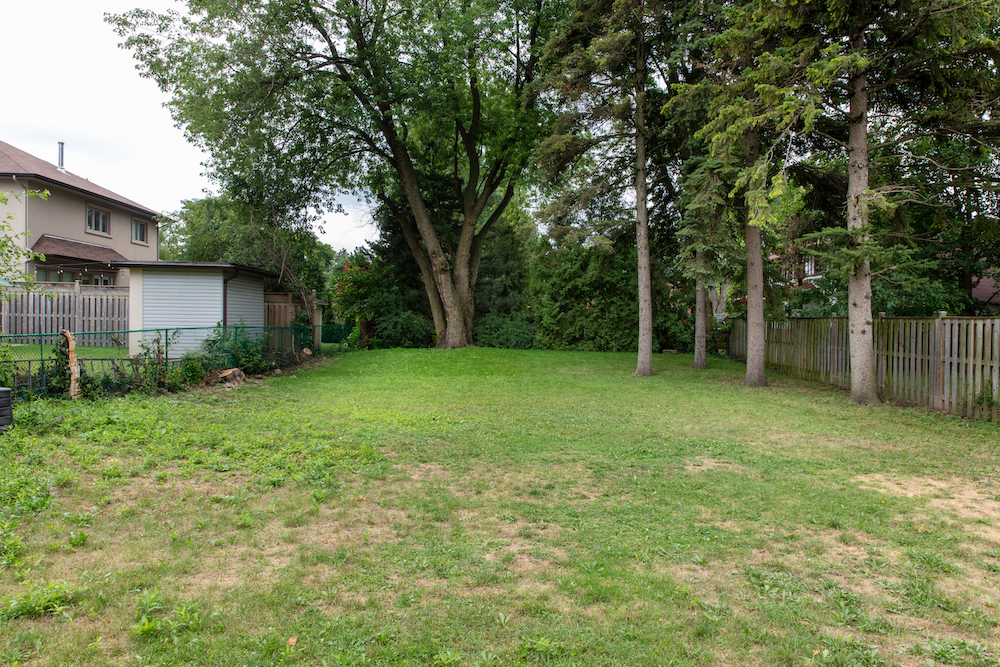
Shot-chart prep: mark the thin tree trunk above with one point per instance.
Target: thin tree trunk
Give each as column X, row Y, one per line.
column 700, row 330
column 644, row 364
column 756, row 329
column 864, row 384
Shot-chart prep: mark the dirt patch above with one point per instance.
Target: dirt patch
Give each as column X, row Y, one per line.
column 707, row 463
column 976, row 585
column 975, row 504
column 365, row 523
column 426, row 471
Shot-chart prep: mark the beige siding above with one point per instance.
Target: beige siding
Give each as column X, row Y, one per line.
column 14, row 212
column 64, row 214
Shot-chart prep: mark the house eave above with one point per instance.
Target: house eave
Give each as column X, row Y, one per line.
column 90, row 194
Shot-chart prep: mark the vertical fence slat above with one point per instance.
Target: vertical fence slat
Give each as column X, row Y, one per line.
column 943, row 363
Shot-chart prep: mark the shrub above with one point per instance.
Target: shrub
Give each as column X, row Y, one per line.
column 512, row 333
column 239, row 349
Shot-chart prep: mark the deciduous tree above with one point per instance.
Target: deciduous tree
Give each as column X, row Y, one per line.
column 304, row 98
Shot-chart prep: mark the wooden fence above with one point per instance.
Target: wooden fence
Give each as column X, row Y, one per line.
column 281, row 306
column 944, row 363
column 78, row 308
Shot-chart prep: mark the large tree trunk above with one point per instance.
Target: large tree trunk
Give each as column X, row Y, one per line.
column 644, row 364
column 430, row 287
column 700, row 330
column 756, row 328
column 456, row 333
column 864, row 383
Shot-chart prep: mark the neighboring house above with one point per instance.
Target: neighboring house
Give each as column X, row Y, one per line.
column 193, row 298
column 81, row 228
column 987, row 290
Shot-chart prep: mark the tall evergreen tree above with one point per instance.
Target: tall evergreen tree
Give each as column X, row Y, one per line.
column 603, row 57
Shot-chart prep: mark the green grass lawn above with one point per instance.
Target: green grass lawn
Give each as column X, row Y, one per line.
column 48, row 352
column 486, row 507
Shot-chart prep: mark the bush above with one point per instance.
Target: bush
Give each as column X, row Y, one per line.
column 239, row 349
column 512, row 333
column 368, row 294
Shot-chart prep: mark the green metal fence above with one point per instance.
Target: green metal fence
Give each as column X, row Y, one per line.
column 119, row 361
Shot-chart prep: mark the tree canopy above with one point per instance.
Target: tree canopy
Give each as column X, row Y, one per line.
column 425, row 106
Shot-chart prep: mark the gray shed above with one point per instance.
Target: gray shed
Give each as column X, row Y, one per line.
column 194, row 297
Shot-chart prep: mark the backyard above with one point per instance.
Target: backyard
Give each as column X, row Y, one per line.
column 489, row 507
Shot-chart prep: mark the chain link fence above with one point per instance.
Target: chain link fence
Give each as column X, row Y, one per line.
column 116, row 362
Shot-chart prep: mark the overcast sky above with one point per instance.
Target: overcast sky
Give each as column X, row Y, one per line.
column 67, row 80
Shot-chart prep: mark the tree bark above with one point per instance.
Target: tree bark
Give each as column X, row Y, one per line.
column 864, row 384
column 456, row 333
column 644, row 364
column 756, row 328
column 700, row 330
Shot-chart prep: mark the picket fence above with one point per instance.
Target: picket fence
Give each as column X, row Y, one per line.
column 78, row 308
column 942, row 363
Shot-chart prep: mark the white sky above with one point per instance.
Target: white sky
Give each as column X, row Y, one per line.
column 67, row 80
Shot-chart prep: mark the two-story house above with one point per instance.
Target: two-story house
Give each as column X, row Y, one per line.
column 82, row 229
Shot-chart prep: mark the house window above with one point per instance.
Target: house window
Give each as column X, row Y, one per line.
column 98, row 220
column 139, row 231
column 97, row 278
column 54, row 276
column 812, row 267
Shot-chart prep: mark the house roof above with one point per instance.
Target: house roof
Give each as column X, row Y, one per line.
column 202, row 266
column 57, row 246
column 15, row 162
column 987, row 290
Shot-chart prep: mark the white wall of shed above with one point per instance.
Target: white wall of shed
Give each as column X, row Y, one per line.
column 246, row 302
column 178, row 300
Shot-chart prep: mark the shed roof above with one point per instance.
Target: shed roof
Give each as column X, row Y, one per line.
column 15, row 162
column 201, row 266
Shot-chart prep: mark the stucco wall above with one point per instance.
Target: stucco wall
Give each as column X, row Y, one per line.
column 64, row 214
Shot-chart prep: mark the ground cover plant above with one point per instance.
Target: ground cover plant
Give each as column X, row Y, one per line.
column 498, row 507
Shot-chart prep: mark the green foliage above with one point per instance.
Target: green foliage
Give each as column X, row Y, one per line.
column 896, row 295
column 584, row 298
column 39, row 600
column 190, row 370
column 368, row 293
column 158, row 620
column 512, row 333
column 541, row 650
column 24, row 484
column 503, row 283
column 425, row 106
column 8, row 366
column 236, row 346
column 11, row 545
column 222, row 229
